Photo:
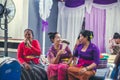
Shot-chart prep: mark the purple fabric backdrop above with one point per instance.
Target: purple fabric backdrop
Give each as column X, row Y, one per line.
column 104, row 1
column 95, row 21
column 74, row 3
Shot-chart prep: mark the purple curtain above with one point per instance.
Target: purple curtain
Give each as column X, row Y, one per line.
column 74, row 3
column 95, row 21
column 104, row 1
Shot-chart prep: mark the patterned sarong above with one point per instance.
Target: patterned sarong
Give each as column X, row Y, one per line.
column 36, row 73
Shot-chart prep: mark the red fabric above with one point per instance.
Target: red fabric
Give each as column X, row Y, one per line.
column 25, row 51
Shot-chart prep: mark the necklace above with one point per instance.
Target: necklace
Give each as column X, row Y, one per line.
column 57, row 47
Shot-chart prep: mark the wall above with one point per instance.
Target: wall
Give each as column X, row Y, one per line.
column 34, row 21
column 20, row 20
column 27, row 16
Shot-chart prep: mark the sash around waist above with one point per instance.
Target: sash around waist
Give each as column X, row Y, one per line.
column 31, row 57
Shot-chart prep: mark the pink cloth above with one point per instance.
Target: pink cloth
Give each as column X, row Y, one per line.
column 59, row 70
column 83, row 62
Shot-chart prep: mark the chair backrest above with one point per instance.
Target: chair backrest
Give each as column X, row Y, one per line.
column 108, row 74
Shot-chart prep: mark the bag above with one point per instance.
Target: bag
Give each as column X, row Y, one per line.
column 9, row 69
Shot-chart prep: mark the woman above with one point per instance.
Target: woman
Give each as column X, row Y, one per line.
column 76, row 44
column 115, row 44
column 88, row 58
column 28, row 55
column 115, row 47
column 57, row 68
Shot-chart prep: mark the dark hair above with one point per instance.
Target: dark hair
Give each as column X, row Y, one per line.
column 88, row 34
column 116, row 36
column 30, row 31
column 65, row 41
column 78, row 37
column 52, row 35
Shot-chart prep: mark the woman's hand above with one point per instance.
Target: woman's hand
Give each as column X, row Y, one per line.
column 26, row 65
column 28, row 43
column 84, row 69
column 75, row 61
column 74, row 64
column 64, row 62
column 62, row 51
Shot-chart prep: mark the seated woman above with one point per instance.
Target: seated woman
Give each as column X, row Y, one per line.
column 88, row 58
column 57, row 69
column 115, row 44
column 76, row 45
column 116, row 50
column 28, row 55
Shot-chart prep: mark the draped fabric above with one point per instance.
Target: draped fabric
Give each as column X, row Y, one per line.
column 20, row 20
column 44, row 8
column 44, row 11
column 74, row 3
column 101, row 17
column 104, row 1
column 112, row 24
column 70, row 22
column 95, row 21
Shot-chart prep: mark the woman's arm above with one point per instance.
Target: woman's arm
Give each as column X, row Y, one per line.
column 75, row 60
column 69, row 61
column 70, row 55
column 96, row 58
column 20, row 53
column 90, row 67
column 35, row 46
column 75, row 56
column 53, row 59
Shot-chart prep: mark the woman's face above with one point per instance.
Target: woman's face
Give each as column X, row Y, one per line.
column 117, row 41
column 28, row 34
column 82, row 39
column 57, row 39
